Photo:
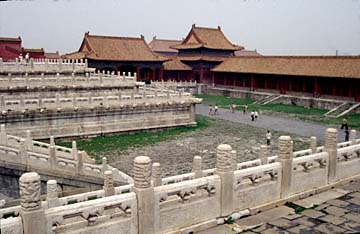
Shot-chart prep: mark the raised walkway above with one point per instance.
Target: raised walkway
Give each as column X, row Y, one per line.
column 301, row 128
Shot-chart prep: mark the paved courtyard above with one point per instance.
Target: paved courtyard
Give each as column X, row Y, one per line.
column 296, row 127
column 330, row 212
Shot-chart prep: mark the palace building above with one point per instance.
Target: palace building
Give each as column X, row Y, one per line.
column 207, row 56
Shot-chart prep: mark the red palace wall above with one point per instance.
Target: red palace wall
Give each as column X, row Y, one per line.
column 9, row 50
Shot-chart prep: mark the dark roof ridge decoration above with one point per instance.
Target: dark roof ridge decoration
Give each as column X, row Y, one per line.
column 314, row 66
column 210, row 38
column 114, row 48
column 12, row 39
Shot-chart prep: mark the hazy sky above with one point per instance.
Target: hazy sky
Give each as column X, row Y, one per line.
column 273, row 27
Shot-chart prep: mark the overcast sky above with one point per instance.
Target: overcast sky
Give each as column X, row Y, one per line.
column 273, row 27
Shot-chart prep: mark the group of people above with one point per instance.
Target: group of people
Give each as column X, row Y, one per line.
column 216, row 110
column 27, row 57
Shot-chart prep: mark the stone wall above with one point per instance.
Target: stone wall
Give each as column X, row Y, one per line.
column 191, row 202
column 321, row 103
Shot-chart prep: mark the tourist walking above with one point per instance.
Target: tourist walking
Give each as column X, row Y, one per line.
column 27, row 56
column 347, row 135
column 245, row 109
column 210, row 110
column 256, row 114
column 345, row 123
column 232, row 108
column 216, row 110
column 268, row 137
column 252, row 116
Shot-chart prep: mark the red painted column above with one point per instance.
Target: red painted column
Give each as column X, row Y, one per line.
column 213, row 78
column 201, row 75
column 304, row 86
column 116, row 71
column 234, row 80
column 252, row 82
column 316, row 87
column 153, row 74
column 138, row 73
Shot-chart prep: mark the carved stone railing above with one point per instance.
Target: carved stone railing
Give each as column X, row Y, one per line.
column 45, row 65
column 76, row 100
column 87, row 80
column 189, row 202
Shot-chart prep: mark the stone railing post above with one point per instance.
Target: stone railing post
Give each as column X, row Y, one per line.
column 2, row 103
column 29, row 141
column 263, row 154
column 32, row 64
column 145, row 195
column 197, row 167
column 104, row 164
column 286, row 159
column 46, row 65
column 224, row 170
column 234, row 160
column 52, row 157
column 109, row 184
column 31, row 212
column 352, row 137
column 313, row 144
column 23, row 152
column 331, row 148
column 1, row 65
column 156, row 174
column 52, row 140
column 80, row 163
column 74, row 151
column 52, row 194
column 86, row 63
column 60, row 65
column 3, row 135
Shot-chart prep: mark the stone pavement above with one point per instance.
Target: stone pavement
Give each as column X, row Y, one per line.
column 297, row 127
column 331, row 212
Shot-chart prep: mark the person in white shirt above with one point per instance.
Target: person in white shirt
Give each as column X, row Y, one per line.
column 252, row 115
column 256, row 115
column 216, row 110
column 268, row 137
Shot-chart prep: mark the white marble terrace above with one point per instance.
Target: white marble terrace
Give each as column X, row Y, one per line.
column 190, row 202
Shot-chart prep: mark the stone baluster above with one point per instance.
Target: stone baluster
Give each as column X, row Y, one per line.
column 74, row 100
column 17, row 66
column 263, row 154
column 156, row 174
column 3, row 135
column 74, row 151
column 224, row 170
column 80, row 163
column 52, row 194
column 313, row 144
column 286, row 159
column 234, row 160
column 22, row 104
column 52, row 141
column 197, row 167
column 331, row 148
column 26, row 79
column 1, row 65
column 2, row 103
column 145, row 195
column 57, row 79
column 60, row 65
column 352, row 137
column 57, row 101
column 135, row 75
column 101, row 77
column 31, row 212
column 104, row 164
column 86, row 63
column 108, row 187
column 46, row 65
column 29, row 140
column 73, row 65
column 129, row 74
column 23, row 152
column 42, row 79
column 52, row 158
column 32, row 64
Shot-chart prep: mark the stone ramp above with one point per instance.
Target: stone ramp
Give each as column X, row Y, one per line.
column 267, row 99
column 342, row 109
